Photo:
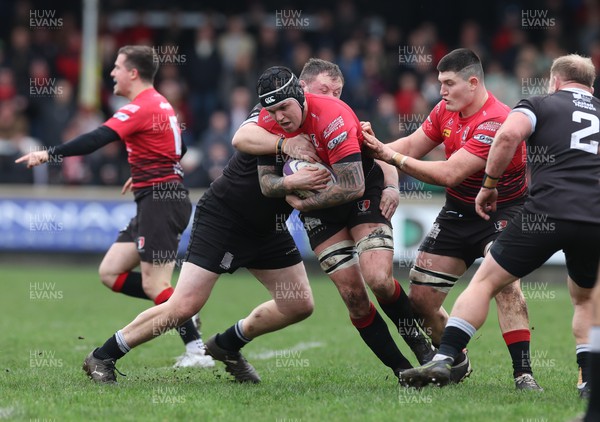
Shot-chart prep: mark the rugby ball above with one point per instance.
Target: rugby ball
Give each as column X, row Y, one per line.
column 292, row 166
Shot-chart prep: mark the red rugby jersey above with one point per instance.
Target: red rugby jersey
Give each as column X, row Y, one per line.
column 331, row 124
column 148, row 126
column 475, row 134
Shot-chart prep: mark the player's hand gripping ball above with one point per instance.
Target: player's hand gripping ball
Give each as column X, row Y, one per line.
column 293, row 165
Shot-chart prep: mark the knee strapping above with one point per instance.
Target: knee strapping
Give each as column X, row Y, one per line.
column 438, row 280
column 338, row 256
column 381, row 238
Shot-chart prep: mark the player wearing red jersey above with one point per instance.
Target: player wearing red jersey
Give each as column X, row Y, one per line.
column 465, row 121
column 226, row 236
column 148, row 127
column 343, row 220
column 563, row 194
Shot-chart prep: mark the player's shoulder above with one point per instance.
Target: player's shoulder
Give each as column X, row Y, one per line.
column 495, row 107
column 151, row 99
column 326, row 103
column 325, row 108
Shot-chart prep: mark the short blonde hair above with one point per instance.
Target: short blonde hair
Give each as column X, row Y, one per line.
column 575, row 68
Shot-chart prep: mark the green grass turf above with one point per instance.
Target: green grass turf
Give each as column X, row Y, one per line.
column 45, row 337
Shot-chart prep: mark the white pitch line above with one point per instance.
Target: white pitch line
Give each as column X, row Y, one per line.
column 268, row 354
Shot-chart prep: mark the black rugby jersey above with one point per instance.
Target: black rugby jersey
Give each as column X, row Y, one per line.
column 563, row 156
column 238, row 189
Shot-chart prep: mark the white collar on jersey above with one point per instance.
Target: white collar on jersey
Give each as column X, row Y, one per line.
column 579, row 90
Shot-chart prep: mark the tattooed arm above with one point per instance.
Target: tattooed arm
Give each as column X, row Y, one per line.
column 350, row 185
column 273, row 184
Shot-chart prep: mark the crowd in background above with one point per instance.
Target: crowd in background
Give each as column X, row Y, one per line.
column 209, row 70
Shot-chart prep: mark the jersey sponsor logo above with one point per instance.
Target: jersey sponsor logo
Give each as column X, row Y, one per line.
column 337, row 123
column 291, row 251
column 165, row 106
column 450, row 122
column 584, row 104
column 446, row 133
column 310, row 223
column 484, row 139
column 121, row 116
column 131, row 107
column 580, row 96
column 267, row 118
column 226, row 261
column 500, row 225
column 337, row 140
column 141, row 242
column 435, row 230
column 489, row 126
column 454, row 214
column 363, row 206
column 270, row 99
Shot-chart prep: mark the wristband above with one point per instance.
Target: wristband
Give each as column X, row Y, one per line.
column 279, row 145
column 489, row 182
column 391, row 187
column 403, row 161
column 283, row 145
column 399, row 164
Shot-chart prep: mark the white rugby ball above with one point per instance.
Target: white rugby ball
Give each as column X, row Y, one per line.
column 292, row 166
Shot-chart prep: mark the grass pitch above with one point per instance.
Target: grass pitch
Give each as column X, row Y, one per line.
column 317, row 370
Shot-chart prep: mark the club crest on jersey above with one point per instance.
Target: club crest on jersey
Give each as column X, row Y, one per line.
column 363, row 206
column 500, row 225
column 141, row 242
column 465, row 133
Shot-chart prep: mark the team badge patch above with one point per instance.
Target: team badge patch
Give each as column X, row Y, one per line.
column 500, row 225
column 141, row 242
column 364, row 205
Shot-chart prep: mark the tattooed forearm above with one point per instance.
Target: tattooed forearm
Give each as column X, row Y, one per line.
column 271, row 184
column 349, row 186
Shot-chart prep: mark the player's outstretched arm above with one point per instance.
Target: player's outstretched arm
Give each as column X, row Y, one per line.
column 415, row 145
column 81, row 145
column 451, row 172
column 34, row 158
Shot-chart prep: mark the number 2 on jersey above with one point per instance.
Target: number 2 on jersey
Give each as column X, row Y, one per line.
column 592, row 129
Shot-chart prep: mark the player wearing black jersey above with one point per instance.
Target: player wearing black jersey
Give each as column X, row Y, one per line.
column 561, row 213
column 234, row 226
